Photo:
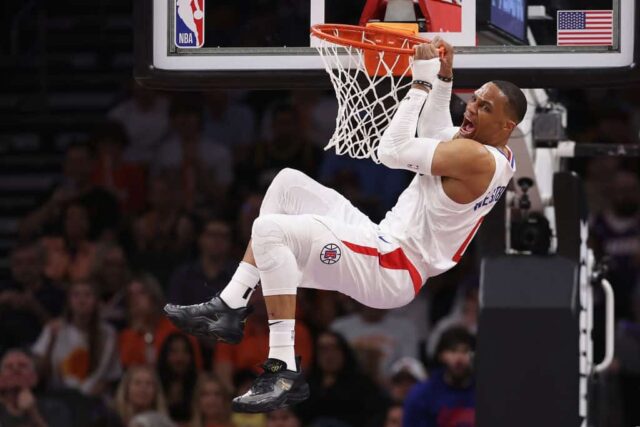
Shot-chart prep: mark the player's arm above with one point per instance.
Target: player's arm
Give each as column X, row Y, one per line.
column 400, row 149
column 435, row 117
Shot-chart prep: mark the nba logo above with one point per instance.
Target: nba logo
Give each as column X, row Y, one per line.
column 189, row 19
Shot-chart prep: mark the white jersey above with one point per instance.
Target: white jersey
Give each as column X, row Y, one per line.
column 433, row 230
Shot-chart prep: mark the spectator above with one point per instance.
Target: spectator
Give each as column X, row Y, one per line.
column 151, row 419
column 124, row 179
column 211, row 403
column 374, row 336
column 370, row 186
column 204, row 167
column 394, row 416
column 79, row 350
column 447, row 397
column 253, row 349
column 243, row 381
column 463, row 314
column 616, row 233
column 283, row 417
column 164, row 235
column 199, row 280
column 177, row 372
column 71, row 256
column 145, row 117
column 340, row 392
column 139, row 391
column 231, row 123
column 76, row 185
column 140, row 343
column 405, row 373
column 112, row 274
column 287, row 146
column 19, row 404
column 249, row 211
column 27, row 299
column 627, row 361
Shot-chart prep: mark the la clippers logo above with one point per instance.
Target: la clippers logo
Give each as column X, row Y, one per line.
column 330, row 254
column 189, row 19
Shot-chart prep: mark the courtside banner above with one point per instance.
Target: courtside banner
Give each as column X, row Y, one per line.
column 189, row 23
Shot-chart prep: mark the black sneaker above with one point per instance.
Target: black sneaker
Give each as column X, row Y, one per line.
column 276, row 387
column 211, row 319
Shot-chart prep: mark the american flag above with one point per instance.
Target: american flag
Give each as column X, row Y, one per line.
column 585, row 27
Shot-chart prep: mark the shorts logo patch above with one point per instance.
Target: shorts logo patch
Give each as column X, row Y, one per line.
column 330, row 254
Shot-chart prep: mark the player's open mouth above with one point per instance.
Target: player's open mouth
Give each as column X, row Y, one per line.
column 467, row 128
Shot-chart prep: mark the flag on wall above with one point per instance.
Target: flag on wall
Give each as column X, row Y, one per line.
column 585, row 28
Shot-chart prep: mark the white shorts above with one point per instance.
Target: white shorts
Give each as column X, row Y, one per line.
column 359, row 261
column 336, row 246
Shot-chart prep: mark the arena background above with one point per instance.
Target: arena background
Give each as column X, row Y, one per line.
column 101, row 223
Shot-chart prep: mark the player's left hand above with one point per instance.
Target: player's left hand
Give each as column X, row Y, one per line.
column 445, row 50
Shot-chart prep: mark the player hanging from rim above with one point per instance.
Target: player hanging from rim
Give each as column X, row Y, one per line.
column 308, row 235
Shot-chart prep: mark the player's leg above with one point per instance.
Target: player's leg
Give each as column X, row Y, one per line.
column 294, row 251
column 292, row 193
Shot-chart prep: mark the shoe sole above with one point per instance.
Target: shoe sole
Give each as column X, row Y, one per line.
column 199, row 326
column 287, row 399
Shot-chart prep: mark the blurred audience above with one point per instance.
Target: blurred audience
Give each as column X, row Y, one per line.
column 394, row 415
column 113, row 172
column 341, row 394
column 27, row 299
column 285, row 417
column 627, row 361
column 112, row 274
column 178, row 374
column 79, row 350
column 71, row 256
column 145, row 117
column 199, row 280
column 447, row 398
column 211, row 403
column 20, row 404
column 286, row 146
column 148, row 328
column 106, row 218
column 76, row 185
column 254, row 348
column 464, row 313
column 616, row 234
column 374, row 337
column 164, row 235
column 227, row 120
column 204, row 167
column 139, row 391
column 405, row 373
column 151, row 419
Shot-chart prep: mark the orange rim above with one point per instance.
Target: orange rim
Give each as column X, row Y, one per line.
column 322, row 31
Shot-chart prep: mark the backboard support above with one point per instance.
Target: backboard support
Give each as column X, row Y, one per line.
column 162, row 64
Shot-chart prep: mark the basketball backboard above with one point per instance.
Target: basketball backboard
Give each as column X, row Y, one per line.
column 266, row 43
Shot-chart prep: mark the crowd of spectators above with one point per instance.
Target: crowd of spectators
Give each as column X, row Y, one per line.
column 156, row 206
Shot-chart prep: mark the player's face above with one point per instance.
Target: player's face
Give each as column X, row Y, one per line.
column 485, row 118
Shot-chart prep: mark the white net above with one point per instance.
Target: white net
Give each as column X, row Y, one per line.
column 368, row 93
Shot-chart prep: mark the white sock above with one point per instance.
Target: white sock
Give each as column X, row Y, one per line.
column 244, row 281
column 281, row 341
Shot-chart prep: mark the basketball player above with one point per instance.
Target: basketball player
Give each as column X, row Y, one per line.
column 310, row 236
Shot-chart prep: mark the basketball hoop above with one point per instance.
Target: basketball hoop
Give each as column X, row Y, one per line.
column 369, row 68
